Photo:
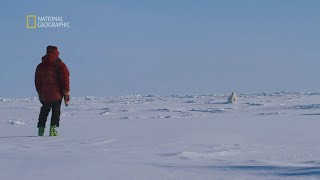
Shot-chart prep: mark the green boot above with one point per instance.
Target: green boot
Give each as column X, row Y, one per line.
column 40, row 131
column 53, row 131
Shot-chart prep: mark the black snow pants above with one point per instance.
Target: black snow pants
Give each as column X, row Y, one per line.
column 44, row 112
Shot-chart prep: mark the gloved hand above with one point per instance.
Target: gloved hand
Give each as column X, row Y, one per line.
column 66, row 99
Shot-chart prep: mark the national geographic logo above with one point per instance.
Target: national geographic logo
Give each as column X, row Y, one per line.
column 34, row 21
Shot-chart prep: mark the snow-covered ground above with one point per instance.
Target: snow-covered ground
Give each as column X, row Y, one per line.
column 262, row 136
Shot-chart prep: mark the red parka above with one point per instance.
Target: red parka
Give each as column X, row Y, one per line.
column 52, row 77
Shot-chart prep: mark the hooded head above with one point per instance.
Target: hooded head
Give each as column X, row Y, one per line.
column 52, row 53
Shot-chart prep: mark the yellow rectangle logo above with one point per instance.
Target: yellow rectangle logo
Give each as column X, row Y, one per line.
column 31, row 21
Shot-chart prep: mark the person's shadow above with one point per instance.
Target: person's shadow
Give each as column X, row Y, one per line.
column 12, row 137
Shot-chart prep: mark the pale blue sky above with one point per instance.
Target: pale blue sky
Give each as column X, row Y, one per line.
column 166, row 47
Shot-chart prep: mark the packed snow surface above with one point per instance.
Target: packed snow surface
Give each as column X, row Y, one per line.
column 193, row 137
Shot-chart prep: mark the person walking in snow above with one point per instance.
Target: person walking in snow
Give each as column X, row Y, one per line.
column 52, row 84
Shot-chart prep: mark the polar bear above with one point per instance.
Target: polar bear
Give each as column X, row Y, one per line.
column 232, row 98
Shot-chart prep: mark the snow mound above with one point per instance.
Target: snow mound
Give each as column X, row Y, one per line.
column 3, row 100
column 253, row 104
column 204, row 155
column 160, row 110
column 190, row 101
column 209, row 110
column 306, row 107
column 270, row 113
column 16, row 122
